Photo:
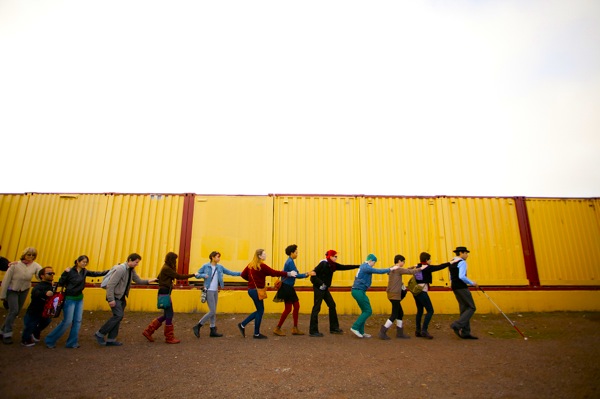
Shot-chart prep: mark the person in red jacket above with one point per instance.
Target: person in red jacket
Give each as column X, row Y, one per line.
column 255, row 273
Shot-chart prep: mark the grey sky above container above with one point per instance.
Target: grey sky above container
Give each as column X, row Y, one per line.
column 481, row 98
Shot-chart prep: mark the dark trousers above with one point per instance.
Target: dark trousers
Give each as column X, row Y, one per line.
column 423, row 302
column 467, row 308
column 111, row 327
column 321, row 296
column 397, row 311
column 34, row 324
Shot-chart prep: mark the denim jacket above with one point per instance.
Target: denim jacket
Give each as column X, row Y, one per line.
column 205, row 272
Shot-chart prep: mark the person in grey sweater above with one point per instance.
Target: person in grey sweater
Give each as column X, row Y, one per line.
column 117, row 291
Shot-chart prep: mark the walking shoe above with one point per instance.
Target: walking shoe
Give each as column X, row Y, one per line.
column 365, row 335
column 315, row 334
column 7, row 340
column 34, row 338
column 50, row 346
column 418, row 334
column 355, row 332
column 425, row 334
column 196, row 330
column 278, row 331
column 295, row 331
column 114, row 343
column 456, row 330
column 336, row 331
column 242, row 329
column 28, row 343
column 100, row 339
column 469, row 336
column 259, row 336
column 72, row 347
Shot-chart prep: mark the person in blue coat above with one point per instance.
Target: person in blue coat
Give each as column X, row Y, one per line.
column 362, row 283
column 212, row 273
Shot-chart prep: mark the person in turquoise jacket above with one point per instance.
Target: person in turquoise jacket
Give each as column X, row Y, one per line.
column 362, row 283
column 208, row 272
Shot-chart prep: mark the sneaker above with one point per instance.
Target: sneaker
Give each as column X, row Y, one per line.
column 7, row 340
column 242, row 329
column 50, row 346
column 336, row 331
column 278, row 331
column 259, row 336
column 72, row 347
column 315, row 334
column 100, row 339
column 365, row 335
column 355, row 332
column 114, row 343
column 34, row 338
column 28, row 343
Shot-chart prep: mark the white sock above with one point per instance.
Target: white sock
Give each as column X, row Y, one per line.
column 399, row 323
column 388, row 324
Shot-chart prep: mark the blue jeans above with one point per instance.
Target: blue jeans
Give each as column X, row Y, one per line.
column 423, row 302
column 72, row 315
column 34, row 324
column 365, row 306
column 256, row 316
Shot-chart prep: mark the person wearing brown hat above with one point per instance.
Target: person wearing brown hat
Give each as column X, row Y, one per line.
column 321, row 283
column 460, row 287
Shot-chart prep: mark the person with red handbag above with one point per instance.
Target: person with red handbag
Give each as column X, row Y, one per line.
column 34, row 321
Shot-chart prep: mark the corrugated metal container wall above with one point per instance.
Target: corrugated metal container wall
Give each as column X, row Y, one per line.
column 233, row 226
column 12, row 216
column 405, row 226
column 149, row 225
column 489, row 228
column 64, row 226
column 316, row 225
column 566, row 239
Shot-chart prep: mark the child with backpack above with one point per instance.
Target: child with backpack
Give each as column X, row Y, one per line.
column 34, row 321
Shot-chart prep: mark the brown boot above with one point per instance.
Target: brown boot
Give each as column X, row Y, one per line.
column 295, row 331
column 400, row 333
column 383, row 333
column 278, row 331
column 170, row 335
column 153, row 326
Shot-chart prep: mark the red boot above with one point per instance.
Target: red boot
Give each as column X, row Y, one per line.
column 153, row 326
column 170, row 335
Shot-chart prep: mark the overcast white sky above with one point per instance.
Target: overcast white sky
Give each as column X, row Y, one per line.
column 474, row 98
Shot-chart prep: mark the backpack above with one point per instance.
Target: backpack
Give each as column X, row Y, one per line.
column 106, row 278
column 54, row 304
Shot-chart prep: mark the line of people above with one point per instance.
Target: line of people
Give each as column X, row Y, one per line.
column 17, row 282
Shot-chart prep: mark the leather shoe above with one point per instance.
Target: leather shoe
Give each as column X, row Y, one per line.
column 242, row 329
column 315, row 334
column 469, row 336
column 114, row 343
column 260, row 336
column 456, row 330
column 418, row 334
column 336, row 331
column 425, row 334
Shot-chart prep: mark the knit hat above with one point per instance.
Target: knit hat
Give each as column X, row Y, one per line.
column 371, row 257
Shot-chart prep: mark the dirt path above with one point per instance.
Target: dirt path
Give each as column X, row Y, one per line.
column 559, row 360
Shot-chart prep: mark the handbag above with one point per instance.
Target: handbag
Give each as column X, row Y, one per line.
column 54, row 304
column 262, row 292
column 205, row 290
column 277, row 286
column 414, row 287
column 164, row 301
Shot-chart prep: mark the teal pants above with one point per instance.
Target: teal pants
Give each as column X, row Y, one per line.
column 365, row 306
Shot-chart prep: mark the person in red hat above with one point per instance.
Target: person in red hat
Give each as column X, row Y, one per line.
column 321, row 283
column 460, row 287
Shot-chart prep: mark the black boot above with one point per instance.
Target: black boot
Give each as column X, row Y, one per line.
column 214, row 333
column 196, row 329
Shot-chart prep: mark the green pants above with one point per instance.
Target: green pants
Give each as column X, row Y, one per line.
column 365, row 306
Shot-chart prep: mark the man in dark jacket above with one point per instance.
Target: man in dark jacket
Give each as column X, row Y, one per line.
column 460, row 287
column 321, row 283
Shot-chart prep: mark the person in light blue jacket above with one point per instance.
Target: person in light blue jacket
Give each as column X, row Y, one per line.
column 212, row 273
column 362, row 283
